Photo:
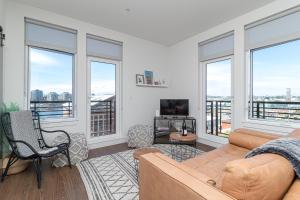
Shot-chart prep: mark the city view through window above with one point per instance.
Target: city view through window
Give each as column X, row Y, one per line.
column 51, row 87
column 51, row 83
column 103, row 98
column 218, row 97
column 276, row 82
column 274, row 92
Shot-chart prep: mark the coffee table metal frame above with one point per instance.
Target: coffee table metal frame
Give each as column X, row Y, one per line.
column 178, row 142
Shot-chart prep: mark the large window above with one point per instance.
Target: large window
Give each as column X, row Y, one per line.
column 273, row 47
column 215, row 57
column 51, row 53
column 275, row 82
column 218, row 97
column 51, row 82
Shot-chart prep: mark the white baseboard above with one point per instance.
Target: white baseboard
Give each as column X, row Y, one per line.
column 209, row 142
column 99, row 144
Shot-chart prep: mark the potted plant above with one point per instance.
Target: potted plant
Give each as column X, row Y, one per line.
column 20, row 165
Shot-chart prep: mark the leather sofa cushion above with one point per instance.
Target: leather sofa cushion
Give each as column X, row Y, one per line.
column 266, row 176
column 163, row 179
column 294, row 191
column 250, row 139
column 213, row 162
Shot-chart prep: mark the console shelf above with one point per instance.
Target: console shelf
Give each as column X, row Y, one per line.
column 163, row 126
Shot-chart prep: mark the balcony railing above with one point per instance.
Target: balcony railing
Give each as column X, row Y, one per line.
column 103, row 118
column 218, row 120
column 219, row 114
column 276, row 110
column 102, row 114
column 53, row 109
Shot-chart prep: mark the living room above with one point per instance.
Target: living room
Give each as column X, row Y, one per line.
column 115, row 76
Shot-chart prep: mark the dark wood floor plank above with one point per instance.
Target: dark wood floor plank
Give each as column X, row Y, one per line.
column 57, row 183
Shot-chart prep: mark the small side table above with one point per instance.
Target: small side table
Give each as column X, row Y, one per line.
column 142, row 151
column 177, row 140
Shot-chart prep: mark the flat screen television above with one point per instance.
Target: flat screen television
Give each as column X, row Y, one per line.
column 175, row 107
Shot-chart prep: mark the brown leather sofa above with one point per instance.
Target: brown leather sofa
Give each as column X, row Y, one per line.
column 221, row 174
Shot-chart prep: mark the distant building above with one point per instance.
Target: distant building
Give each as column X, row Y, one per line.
column 52, row 96
column 65, row 96
column 288, row 94
column 37, row 95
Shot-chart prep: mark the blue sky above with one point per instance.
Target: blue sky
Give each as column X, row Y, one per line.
column 52, row 72
column 219, row 78
column 274, row 70
column 277, row 68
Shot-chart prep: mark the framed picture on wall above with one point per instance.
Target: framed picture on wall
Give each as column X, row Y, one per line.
column 140, row 80
column 149, row 77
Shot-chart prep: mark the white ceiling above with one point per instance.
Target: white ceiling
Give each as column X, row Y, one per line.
column 163, row 21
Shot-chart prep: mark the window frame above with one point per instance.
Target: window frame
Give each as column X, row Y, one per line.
column 27, row 93
column 202, row 89
column 249, row 92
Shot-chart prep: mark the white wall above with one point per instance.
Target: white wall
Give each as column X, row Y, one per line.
column 185, row 66
column 139, row 104
column 2, row 12
column 2, row 4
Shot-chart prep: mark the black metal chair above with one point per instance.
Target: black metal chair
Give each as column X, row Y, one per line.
column 25, row 136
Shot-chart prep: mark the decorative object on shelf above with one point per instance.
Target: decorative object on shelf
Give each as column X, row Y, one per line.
column 149, row 77
column 2, row 37
column 140, row 79
column 147, row 80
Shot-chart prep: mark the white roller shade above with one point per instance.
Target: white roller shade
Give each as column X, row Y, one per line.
column 217, row 47
column 104, row 48
column 276, row 29
column 50, row 36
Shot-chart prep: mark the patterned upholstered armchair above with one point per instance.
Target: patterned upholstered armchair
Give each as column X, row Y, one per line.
column 26, row 138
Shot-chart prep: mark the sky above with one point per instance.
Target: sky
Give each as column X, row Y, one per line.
column 277, row 68
column 219, row 78
column 274, row 70
column 52, row 72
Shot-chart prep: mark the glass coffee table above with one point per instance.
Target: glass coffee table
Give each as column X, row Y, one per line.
column 183, row 147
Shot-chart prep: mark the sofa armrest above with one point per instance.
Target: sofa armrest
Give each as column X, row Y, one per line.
column 164, row 180
column 250, row 139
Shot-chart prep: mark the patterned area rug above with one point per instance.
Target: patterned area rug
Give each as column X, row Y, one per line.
column 113, row 177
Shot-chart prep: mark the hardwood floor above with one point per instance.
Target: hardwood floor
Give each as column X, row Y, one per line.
column 58, row 183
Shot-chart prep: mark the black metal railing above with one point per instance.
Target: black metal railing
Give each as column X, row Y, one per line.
column 218, row 117
column 103, row 118
column 102, row 114
column 276, row 110
column 52, row 109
